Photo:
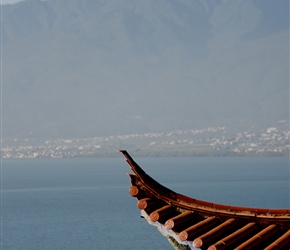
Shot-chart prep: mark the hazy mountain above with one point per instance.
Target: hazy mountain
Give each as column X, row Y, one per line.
column 101, row 67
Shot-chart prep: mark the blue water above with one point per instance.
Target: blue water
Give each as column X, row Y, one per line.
column 84, row 203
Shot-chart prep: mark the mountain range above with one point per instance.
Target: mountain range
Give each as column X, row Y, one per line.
column 75, row 68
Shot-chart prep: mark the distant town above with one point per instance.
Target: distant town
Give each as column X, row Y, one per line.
column 211, row 141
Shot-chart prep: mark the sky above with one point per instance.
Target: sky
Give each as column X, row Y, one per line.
column 9, row 1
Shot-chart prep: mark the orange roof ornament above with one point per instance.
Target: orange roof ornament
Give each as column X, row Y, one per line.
column 190, row 223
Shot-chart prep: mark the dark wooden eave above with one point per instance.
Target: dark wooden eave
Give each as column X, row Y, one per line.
column 190, row 223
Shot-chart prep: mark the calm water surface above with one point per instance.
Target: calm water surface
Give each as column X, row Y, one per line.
column 84, row 203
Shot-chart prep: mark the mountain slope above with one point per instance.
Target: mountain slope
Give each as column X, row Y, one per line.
column 85, row 68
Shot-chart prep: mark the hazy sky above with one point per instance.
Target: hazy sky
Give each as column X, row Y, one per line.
column 9, row 1
column 208, row 59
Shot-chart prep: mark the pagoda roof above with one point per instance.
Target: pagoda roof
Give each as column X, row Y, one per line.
column 190, row 223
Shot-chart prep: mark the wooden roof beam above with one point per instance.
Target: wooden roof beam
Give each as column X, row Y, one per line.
column 280, row 243
column 231, row 239
column 161, row 213
column 259, row 237
column 179, row 219
column 198, row 228
column 214, row 234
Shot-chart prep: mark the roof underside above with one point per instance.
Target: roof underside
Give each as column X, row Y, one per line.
column 195, row 224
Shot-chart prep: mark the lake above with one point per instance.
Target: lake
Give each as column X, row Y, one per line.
column 84, row 203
